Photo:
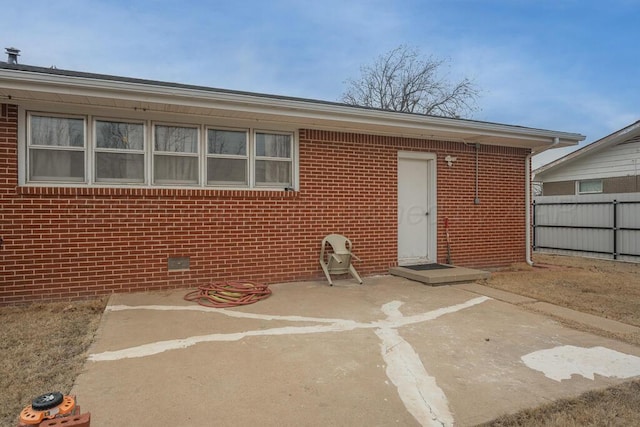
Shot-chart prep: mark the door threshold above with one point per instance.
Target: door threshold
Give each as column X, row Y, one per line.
column 440, row 276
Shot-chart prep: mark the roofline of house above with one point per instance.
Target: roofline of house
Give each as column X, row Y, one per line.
column 26, row 82
column 595, row 146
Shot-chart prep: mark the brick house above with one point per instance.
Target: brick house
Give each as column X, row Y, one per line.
column 111, row 184
column 608, row 165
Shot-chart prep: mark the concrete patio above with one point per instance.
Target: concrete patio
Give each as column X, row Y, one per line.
column 389, row 352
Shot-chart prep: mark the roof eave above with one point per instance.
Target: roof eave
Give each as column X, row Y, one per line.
column 305, row 113
column 611, row 139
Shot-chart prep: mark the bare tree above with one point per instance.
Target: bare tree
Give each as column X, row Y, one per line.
column 403, row 80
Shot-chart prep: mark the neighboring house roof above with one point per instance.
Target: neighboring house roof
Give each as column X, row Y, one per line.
column 39, row 84
column 628, row 134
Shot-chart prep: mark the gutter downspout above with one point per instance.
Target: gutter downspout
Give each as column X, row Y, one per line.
column 527, row 201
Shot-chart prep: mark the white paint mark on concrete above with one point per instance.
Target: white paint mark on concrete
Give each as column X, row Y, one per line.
column 560, row 363
column 417, row 389
column 393, row 321
column 392, row 309
column 230, row 313
column 335, row 325
column 396, row 322
column 162, row 346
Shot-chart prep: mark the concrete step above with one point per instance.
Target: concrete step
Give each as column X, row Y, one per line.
column 443, row 276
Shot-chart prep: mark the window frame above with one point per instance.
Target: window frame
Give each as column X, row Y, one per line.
column 584, row 181
column 247, row 157
column 96, row 150
column 148, row 120
column 197, row 155
column 29, row 147
column 290, row 160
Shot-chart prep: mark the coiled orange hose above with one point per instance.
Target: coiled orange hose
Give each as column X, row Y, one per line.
column 228, row 294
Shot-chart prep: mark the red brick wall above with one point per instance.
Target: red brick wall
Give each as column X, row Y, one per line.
column 71, row 243
column 491, row 233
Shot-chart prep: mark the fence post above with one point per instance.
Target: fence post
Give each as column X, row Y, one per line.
column 615, row 229
column 533, row 224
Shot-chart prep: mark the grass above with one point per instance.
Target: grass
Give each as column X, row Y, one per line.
column 614, row 406
column 43, row 346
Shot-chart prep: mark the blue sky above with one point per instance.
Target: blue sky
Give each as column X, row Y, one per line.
column 563, row 65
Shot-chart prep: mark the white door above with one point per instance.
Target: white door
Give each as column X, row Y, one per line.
column 416, row 208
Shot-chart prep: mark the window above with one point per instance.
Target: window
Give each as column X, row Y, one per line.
column 227, row 160
column 72, row 149
column 273, row 159
column 56, row 148
column 175, row 159
column 591, row 186
column 119, row 152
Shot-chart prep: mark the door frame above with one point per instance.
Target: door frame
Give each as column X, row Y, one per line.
column 432, row 198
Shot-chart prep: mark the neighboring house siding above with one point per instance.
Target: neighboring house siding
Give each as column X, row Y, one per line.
column 561, row 188
column 72, row 243
column 615, row 161
column 621, row 184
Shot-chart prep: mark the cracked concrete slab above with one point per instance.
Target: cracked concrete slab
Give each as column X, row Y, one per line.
column 389, row 352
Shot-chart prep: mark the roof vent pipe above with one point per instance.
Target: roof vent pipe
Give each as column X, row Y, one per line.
column 12, row 55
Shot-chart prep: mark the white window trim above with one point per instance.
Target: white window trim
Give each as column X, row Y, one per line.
column 95, row 150
column 197, row 154
column 292, row 160
column 148, row 120
column 589, row 192
column 247, row 157
column 26, row 135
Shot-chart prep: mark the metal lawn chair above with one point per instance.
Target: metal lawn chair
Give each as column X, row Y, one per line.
column 339, row 261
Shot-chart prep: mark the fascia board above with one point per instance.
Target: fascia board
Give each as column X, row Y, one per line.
column 306, row 111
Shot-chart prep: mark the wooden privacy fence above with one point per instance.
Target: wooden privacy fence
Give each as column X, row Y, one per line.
column 604, row 225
